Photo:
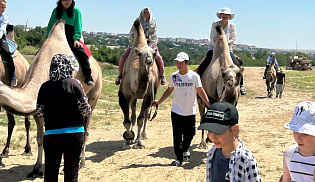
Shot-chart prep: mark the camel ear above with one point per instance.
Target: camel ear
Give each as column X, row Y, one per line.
column 137, row 51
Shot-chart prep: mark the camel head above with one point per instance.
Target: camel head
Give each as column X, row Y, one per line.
column 146, row 56
column 231, row 75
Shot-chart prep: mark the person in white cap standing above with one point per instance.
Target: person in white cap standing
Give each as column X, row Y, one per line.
column 230, row 32
column 186, row 84
column 269, row 60
column 299, row 159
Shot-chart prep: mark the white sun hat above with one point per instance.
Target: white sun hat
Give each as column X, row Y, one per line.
column 182, row 56
column 225, row 11
column 303, row 119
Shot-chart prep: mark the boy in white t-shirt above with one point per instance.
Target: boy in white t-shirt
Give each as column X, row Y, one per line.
column 299, row 159
column 186, row 84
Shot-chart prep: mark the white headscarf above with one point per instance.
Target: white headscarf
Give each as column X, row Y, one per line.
column 149, row 28
column 61, row 67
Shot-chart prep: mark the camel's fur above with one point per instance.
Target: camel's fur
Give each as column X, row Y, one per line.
column 21, row 67
column 23, row 100
column 221, row 79
column 271, row 79
column 140, row 80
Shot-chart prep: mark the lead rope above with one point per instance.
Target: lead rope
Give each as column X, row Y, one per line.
column 156, row 106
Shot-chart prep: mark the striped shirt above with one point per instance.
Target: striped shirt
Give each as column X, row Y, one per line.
column 302, row 168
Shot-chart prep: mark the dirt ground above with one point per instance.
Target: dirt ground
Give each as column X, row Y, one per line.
column 108, row 159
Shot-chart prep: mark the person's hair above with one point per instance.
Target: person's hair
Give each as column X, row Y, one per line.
column 60, row 8
column 186, row 61
column 3, row 1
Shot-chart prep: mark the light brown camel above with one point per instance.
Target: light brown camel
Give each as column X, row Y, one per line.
column 22, row 101
column 221, row 79
column 21, row 66
column 271, row 79
column 140, row 80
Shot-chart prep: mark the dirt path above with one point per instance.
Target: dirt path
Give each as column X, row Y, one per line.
column 108, row 159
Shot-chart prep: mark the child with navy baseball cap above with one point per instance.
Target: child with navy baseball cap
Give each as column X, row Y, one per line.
column 227, row 159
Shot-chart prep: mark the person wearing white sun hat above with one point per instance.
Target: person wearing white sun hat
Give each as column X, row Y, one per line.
column 230, row 32
column 299, row 158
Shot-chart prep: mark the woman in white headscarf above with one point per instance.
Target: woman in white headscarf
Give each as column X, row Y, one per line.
column 149, row 26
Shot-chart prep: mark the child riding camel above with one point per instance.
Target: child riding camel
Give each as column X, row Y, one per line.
column 4, row 48
column 149, row 26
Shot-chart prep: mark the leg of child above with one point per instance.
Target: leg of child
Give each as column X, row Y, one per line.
column 121, row 65
column 160, row 64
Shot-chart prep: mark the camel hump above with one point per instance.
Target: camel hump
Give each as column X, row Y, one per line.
column 219, row 30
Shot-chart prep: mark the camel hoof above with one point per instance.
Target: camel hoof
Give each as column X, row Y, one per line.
column 35, row 174
column 129, row 135
column 138, row 146
column 129, row 142
column 27, row 153
column 202, row 145
column 144, row 137
column 5, row 153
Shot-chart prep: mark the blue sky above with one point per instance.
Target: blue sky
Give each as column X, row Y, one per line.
column 263, row 23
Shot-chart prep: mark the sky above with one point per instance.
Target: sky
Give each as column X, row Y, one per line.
column 274, row 24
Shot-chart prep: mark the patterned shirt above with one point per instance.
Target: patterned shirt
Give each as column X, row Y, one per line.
column 242, row 165
column 3, row 24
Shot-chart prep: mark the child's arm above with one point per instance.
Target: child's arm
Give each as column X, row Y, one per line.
column 286, row 172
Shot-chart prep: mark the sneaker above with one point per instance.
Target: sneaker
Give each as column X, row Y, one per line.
column 13, row 82
column 117, row 81
column 89, row 80
column 163, row 80
column 243, row 90
column 264, row 77
column 186, row 156
column 176, row 163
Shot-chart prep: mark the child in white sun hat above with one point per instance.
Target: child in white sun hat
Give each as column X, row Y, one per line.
column 299, row 159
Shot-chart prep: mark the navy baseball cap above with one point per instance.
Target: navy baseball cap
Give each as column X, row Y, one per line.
column 219, row 117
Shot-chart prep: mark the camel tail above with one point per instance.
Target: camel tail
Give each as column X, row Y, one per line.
column 136, row 24
column 219, row 30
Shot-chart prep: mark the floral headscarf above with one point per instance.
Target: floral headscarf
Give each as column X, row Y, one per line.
column 61, row 67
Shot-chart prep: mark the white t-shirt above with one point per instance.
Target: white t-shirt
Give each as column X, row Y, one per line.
column 185, row 92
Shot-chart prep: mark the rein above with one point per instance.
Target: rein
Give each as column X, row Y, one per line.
column 156, row 106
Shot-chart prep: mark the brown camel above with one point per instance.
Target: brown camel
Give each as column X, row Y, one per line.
column 140, row 80
column 21, row 66
column 221, row 79
column 271, row 79
column 22, row 101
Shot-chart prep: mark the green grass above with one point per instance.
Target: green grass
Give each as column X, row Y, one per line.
column 302, row 81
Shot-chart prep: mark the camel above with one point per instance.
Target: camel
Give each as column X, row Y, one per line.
column 140, row 80
column 221, row 79
column 23, row 100
column 271, row 79
column 21, row 67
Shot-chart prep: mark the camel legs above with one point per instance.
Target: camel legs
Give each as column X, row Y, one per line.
column 11, row 124
column 38, row 167
column 202, row 106
column 124, row 104
column 141, row 121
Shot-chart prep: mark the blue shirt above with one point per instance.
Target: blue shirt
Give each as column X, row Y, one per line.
column 3, row 24
column 220, row 166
